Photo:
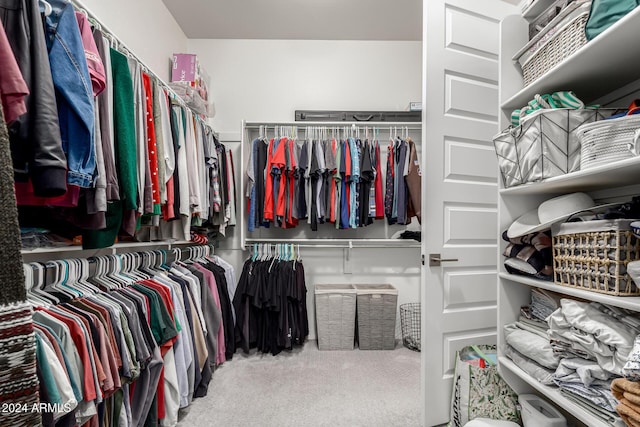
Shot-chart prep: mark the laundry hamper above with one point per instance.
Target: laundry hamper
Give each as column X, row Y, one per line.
column 609, row 141
column 410, row 325
column 335, row 316
column 376, row 316
column 593, row 256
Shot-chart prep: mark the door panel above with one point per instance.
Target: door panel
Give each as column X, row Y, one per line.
column 469, row 160
column 471, row 97
column 460, row 115
column 469, row 288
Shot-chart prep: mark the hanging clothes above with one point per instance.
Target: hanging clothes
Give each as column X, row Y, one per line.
column 270, row 305
column 114, row 157
column 130, row 347
column 320, row 179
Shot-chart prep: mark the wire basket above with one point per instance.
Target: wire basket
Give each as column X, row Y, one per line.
column 410, row 324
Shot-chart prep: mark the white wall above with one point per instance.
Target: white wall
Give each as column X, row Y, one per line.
column 267, row 80
column 146, row 27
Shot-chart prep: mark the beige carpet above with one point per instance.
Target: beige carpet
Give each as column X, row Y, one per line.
column 309, row 387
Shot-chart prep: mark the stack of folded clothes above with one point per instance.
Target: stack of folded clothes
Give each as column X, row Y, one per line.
column 594, row 342
column 527, row 341
column 529, row 255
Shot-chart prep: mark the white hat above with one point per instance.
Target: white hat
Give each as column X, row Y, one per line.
column 552, row 211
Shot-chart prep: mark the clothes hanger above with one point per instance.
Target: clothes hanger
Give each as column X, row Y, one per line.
column 47, row 7
column 62, row 279
column 75, row 275
column 32, row 295
column 85, row 267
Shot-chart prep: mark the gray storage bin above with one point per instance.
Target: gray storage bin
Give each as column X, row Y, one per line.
column 335, row 316
column 376, row 317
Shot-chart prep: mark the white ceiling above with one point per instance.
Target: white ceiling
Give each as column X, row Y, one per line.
column 299, row 19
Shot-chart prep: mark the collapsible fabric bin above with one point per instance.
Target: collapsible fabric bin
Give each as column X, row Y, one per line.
column 376, row 307
column 544, row 145
column 335, row 316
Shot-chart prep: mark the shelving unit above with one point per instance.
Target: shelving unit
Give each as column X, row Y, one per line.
column 594, row 72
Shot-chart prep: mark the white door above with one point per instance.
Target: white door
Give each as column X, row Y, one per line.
column 460, row 104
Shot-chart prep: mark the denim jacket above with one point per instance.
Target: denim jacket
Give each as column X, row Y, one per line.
column 74, row 92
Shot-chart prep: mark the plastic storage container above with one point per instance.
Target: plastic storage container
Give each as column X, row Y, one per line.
column 377, row 305
column 537, row 412
column 335, row 316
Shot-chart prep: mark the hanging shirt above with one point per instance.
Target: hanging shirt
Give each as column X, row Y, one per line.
column 251, row 186
column 354, row 179
column 389, row 188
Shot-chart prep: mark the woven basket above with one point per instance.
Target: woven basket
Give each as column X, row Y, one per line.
column 593, row 256
column 608, row 141
column 563, row 43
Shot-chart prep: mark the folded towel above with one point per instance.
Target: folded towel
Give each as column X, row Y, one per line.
column 629, row 415
column 619, row 386
column 628, row 394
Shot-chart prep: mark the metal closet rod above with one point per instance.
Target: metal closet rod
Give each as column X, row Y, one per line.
column 303, row 125
column 338, row 243
column 82, row 8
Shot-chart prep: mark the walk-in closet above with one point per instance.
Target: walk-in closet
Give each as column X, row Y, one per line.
column 282, row 213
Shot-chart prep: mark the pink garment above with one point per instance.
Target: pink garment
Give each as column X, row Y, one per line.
column 94, row 62
column 13, row 88
column 211, row 282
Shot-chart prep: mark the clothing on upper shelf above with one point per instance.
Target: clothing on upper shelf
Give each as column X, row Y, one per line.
column 131, row 349
column 329, row 180
column 99, row 146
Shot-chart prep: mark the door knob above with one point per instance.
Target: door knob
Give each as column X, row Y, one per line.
column 435, row 260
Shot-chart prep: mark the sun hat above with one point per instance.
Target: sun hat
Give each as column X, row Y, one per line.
column 551, row 211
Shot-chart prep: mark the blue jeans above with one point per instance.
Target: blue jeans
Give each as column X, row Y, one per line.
column 74, row 93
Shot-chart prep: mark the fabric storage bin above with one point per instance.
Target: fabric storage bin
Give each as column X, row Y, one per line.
column 376, row 316
column 609, row 141
column 593, row 256
column 544, row 145
column 335, row 316
column 557, row 41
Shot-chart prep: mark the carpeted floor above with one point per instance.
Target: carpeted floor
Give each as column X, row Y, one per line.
column 308, row 387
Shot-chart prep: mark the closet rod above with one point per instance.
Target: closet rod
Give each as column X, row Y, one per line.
column 302, row 125
column 340, row 243
column 82, row 8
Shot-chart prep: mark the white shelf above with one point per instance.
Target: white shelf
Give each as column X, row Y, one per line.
column 618, row 174
column 553, row 394
column 631, row 303
column 604, row 64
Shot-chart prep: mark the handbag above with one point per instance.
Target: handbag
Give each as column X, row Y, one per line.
column 478, row 389
column 605, row 13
